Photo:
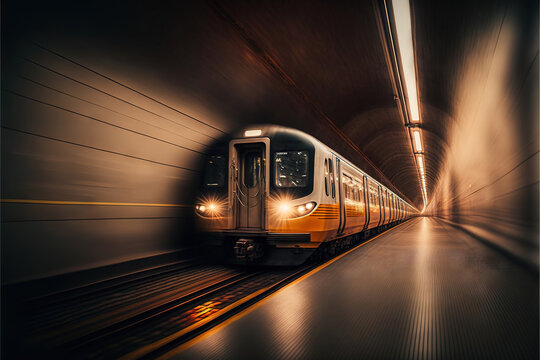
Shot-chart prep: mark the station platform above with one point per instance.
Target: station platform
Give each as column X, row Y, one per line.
column 422, row 290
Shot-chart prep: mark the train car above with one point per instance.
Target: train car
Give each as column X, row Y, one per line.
column 277, row 196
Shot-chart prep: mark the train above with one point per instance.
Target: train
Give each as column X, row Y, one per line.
column 273, row 195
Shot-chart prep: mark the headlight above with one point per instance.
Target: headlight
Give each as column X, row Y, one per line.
column 305, row 208
column 286, row 210
column 210, row 208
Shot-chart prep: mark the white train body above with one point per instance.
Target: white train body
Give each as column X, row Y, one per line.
column 275, row 195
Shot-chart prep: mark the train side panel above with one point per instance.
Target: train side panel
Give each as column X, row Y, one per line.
column 323, row 222
column 354, row 198
column 343, row 200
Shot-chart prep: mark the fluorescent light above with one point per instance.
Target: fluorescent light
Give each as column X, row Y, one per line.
column 403, row 28
column 417, row 141
column 402, row 17
column 252, row 132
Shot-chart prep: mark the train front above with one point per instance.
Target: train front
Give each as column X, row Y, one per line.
column 254, row 187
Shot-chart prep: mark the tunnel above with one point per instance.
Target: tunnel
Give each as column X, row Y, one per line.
column 263, row 179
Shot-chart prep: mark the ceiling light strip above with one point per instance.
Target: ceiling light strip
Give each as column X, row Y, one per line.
column 403, row 29
column 402, row 18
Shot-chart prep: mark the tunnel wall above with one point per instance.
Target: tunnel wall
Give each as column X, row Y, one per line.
column 97, row 172
column 489, row 179
column 106, row 111
column 99, row 165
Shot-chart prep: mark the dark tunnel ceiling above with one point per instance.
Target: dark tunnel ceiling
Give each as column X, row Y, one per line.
column 316, row 66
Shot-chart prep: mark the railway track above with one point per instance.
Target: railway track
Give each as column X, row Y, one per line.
column 162, row 329
column 62, row 322
column 148, row 315
column 139, row 315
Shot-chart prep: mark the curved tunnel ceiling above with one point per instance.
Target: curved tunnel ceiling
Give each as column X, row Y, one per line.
column 317, row 66
column 332, row 59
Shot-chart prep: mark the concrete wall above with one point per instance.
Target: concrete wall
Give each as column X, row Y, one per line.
column 489, row 179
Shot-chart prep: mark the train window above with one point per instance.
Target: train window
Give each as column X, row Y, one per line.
column 291, row 169
column 347, row 186
column 215, row 171
column 360, row 192
column 326, row 176
column 371, row 195
column 252, row 168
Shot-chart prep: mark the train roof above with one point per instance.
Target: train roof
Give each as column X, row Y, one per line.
column 274, row 132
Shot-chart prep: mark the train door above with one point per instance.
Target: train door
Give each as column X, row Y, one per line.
column 366, row 201
column 394, row 209
column 386, row 208
column 375, row 211
column 381, row 204
column 396, row 204
column 332, row 179
column 341, row 197
column 389, row 203
column 334, row 200
column 249, row 186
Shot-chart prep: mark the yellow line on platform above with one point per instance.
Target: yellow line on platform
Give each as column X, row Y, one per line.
column 244, row 312
column 98, row 203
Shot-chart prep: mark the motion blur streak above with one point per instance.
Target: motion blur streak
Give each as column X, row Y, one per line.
column 489, row 177
column 424, row 308
column 97, row 203
column 117, row 104
column 70, row 131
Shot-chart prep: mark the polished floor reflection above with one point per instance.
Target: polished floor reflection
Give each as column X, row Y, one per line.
column 423, row 290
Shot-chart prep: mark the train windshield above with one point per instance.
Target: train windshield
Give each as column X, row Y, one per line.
column 291, row 169
column 215, row 171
